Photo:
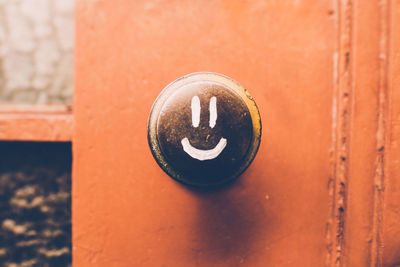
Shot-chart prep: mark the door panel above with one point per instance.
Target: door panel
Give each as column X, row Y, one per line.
column 289, row 208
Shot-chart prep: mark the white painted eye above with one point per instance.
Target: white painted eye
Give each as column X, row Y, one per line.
column 213, row 111
column 195, row 111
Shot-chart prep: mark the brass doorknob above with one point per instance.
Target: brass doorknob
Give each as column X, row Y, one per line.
column 204, row 129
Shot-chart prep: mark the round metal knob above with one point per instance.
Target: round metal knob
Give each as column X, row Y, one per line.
column 204, row 129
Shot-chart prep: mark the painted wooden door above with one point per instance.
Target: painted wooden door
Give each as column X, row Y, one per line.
column 324, row 187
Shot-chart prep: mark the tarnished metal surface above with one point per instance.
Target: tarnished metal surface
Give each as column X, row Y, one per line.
column 237, row 128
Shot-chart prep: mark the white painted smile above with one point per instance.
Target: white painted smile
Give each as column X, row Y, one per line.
column 201, row 154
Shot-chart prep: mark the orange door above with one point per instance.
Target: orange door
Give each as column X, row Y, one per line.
column 323, row 76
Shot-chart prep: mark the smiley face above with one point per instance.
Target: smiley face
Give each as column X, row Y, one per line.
column 203, row 154
column 204, row 131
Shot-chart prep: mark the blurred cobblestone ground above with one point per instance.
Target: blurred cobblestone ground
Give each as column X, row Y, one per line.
column 36, row 51
column 35, row 204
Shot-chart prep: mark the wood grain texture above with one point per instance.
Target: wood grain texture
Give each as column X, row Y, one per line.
column 341, row 112
column 364, row 132
column 366, row 135
column 391, row 199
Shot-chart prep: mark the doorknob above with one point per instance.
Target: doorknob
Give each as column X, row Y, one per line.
column 204, row 129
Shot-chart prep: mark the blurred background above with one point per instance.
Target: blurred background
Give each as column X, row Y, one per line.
column 36, row 51
column 36, row 68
